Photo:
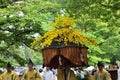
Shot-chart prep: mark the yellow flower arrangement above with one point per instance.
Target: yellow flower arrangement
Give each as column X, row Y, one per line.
column 62, row 33
column 63, row 22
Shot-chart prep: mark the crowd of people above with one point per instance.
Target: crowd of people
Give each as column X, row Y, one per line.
column 96, row 74
column 60, row 74
column 30, row 74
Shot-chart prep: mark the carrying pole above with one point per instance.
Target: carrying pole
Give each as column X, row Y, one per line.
column 65, row 73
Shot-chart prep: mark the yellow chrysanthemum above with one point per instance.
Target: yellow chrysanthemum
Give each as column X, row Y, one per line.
column 62, row 33
column 63, row 22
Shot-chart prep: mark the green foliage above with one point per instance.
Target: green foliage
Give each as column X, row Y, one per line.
column 7, row 56
column 37, row 58
column 97, row 18
column 100, row 18
column 5, row 3
column 78, row 77
column 2, row 63
column 17, row 29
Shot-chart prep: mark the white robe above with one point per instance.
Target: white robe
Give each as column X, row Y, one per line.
column 119, row 74
column 48, row 75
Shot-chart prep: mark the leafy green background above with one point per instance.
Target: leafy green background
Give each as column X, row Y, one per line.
column 97, row 18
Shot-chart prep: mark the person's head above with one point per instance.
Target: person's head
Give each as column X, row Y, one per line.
column 100, row 66
column 40, row 70
column 30, row 64
column 8, row 67
column 47, row 68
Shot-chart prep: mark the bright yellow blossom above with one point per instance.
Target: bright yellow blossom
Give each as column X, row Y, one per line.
column 62, row 33
column 63, row 22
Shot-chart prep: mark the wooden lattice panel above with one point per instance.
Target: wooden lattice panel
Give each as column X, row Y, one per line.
column 70, row 56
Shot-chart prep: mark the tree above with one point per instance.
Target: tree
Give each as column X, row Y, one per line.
column 97, row 18
column 20, row 23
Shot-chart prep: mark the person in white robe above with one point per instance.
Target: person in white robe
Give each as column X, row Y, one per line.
column 48, row 74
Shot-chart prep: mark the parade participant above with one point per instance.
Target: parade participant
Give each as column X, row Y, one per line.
column 41, row 73
column 69, row 74
column 82, row 74
column 101, row 74
column 9, row 74
column 64, row 72
column 48, row 74
column 31, row 74
column 118, row 73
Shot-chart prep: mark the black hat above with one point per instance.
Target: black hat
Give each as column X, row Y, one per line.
column 30, row 62
column 100, row 64
column 8, row 65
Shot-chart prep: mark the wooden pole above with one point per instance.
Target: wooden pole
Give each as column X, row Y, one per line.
column 65, row 75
